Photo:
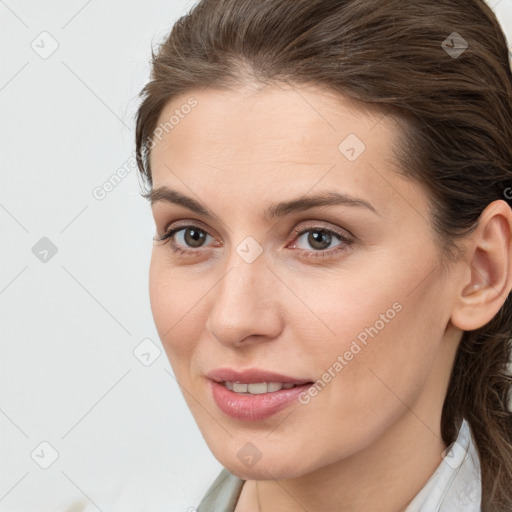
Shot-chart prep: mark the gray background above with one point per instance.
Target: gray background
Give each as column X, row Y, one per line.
column 72, row 319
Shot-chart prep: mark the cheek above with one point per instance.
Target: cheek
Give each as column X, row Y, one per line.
column 376, row 331
column 160, row 297
column 173, row 302
column 344, row 306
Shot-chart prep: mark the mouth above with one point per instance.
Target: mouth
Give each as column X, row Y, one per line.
column 258, row 388
column 254, row 395
column 254, row 376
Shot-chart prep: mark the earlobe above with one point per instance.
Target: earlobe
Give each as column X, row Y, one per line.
column 490, row 263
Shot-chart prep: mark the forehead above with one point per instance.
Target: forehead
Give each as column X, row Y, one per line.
column 284, row 138
column 290, row 120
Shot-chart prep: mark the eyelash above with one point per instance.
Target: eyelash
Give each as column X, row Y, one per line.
column 314, row 254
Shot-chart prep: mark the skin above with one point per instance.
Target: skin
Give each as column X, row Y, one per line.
column 370, row 439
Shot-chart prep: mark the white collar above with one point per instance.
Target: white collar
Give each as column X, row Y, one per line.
column 456, row 484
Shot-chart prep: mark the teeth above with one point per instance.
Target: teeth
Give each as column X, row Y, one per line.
column 274, row 386
column 239, row 388
column 257, row 388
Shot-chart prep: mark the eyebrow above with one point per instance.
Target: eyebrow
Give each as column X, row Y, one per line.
column 324, row 198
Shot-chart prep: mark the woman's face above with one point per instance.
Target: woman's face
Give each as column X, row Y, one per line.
column 348, row 295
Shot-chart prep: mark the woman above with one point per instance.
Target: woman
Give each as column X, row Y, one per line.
column 331, row 274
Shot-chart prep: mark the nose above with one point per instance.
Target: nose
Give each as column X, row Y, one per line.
column 245, row 306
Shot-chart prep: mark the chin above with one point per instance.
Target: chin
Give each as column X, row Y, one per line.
column 262, row 471
column 274, row 465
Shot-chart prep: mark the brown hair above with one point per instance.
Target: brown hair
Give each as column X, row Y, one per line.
column 456, row 139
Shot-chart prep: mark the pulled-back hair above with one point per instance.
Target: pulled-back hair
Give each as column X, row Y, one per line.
column 455, row 107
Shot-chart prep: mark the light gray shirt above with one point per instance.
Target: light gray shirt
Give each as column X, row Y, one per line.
column 454, row 486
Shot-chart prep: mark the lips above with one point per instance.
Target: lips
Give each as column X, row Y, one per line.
column 246, row 405
column 252, row 376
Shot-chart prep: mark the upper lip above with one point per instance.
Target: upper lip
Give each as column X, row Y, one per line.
column 251, row 376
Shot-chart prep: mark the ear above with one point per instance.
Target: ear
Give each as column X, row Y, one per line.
column 487, row 280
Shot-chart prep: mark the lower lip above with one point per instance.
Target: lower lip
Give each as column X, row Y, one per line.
column 254, row 407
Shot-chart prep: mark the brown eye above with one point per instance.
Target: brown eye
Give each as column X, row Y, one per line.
column 193, row 237
column 185, row 239
column 319, row 242
column 319, row 239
